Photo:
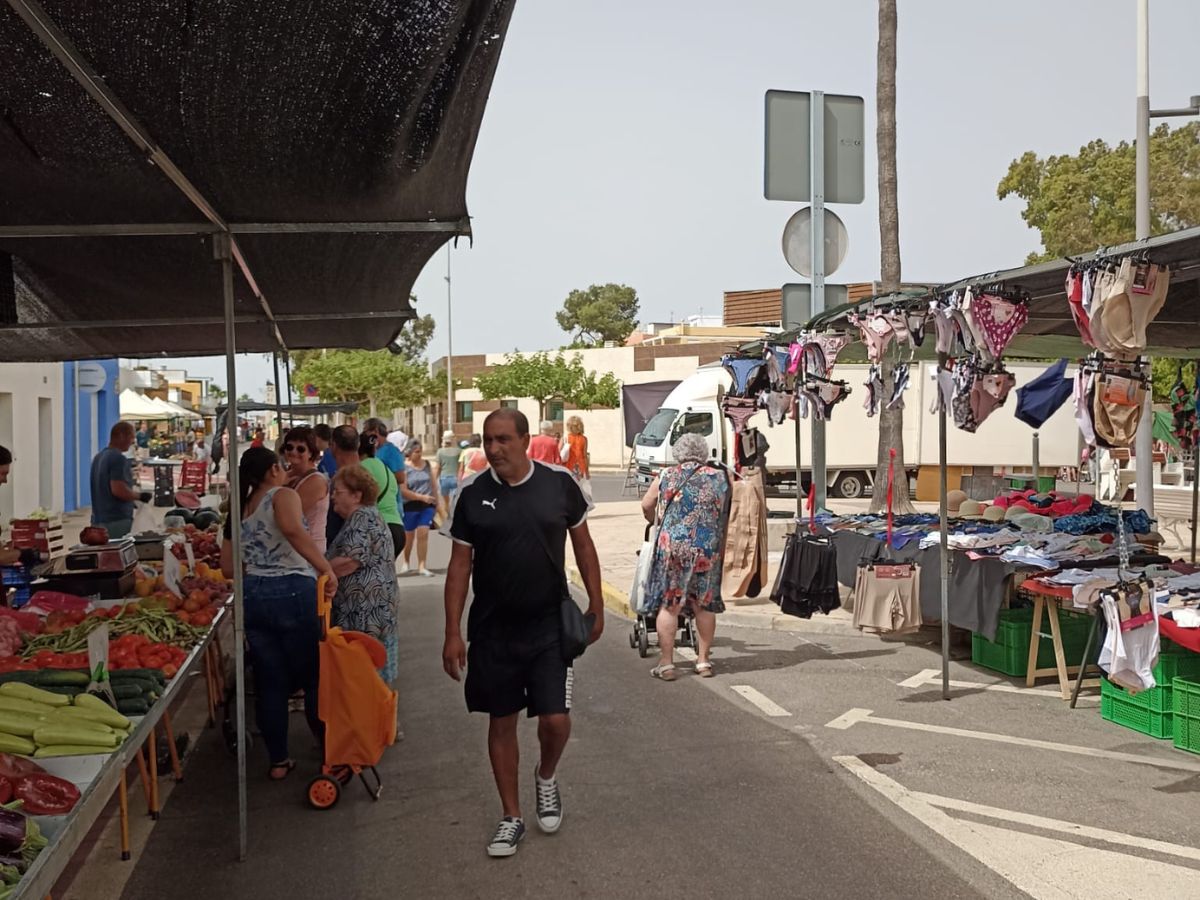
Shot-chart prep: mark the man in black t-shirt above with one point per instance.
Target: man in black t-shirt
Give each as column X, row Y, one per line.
column 509, row 525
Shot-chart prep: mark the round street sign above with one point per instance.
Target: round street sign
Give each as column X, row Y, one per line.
column 797, row 242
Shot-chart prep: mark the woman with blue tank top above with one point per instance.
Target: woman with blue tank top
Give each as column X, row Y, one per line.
column 280, row 564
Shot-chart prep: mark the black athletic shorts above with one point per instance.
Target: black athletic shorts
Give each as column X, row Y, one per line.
column 519, row 667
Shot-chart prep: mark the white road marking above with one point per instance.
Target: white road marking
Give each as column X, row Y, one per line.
column 762, row 701
column 1069, row 828
column 857, row 716
column 934, row 676
column 1044, row 868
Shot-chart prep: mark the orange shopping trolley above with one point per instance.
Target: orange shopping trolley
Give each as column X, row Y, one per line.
column 356, row 705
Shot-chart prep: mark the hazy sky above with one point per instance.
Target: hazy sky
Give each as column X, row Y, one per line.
column 623, row 142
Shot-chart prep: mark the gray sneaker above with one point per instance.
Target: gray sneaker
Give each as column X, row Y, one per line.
column 508, row 834
column 549, row 803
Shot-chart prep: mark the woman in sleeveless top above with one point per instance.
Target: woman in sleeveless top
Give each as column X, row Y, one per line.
column 420, row 493
column 280, row 566
column 301, row 455
column 575, row 450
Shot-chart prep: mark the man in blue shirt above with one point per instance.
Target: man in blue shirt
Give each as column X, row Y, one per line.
column 385, row 451
column 113, row 495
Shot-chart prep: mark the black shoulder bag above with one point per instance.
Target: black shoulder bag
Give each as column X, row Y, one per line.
column 575, row 626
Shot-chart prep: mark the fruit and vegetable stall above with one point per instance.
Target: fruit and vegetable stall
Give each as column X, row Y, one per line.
column 86, row 686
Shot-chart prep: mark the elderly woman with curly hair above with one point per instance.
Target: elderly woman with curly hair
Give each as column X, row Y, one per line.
column 691, row 502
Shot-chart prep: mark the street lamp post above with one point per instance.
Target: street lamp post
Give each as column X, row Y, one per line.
column 1144, row 442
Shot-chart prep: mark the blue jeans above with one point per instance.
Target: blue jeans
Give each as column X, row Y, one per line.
column 283, row 634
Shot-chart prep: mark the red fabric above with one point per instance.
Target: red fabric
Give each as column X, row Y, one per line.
column 1184, row 637
column 812, row 503
column 544, row 448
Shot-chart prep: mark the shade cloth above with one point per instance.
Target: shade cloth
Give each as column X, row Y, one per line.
column 641, row 401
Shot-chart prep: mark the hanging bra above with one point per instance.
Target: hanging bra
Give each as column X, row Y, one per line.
column 999, row 320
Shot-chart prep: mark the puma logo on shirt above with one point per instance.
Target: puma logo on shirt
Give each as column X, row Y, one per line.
column 491, row 503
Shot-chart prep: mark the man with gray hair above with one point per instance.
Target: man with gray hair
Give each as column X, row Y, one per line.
column 546, row 447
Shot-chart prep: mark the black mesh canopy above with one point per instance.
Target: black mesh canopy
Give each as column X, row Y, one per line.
column 338, row 111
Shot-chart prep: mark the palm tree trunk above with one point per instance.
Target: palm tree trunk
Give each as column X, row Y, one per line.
column 891, row 421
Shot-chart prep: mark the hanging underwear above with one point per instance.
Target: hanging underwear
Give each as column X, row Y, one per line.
column 1038, row 400
column 1117, row 404
column 778, row 405
column 965, row 336
column 745, row 372
column 916, row 328
column 944, row 326
column 1138, row 293
column 831, row 345
column 944, row 395
column 971, row 327
column 812, row 361
column 1183, row 412
column 999, row 320
column 777, row 369
column 795, row 351
column 988, row 394
column 1081, row 395
column 874, row 385
column 900, row 377
column 1101, row 286
column 899, row 323
column 739, row 411
column 877, row 334
column 1075, row 283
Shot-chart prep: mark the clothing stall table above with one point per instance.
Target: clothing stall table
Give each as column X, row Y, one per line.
column 1048, row 600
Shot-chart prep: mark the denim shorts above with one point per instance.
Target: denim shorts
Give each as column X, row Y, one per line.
column 448, row 484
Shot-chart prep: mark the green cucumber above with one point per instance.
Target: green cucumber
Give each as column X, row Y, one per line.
column 155, row 674
column 63, row 677
column 133, row 707
column 127, row 690
column 29, row 692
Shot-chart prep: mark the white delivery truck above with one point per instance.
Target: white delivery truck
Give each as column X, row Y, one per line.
column 851, row 436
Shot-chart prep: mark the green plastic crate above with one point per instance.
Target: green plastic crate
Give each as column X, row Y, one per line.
column 1121, row 710
column 1186, row 704
column 1157, row 699
column 1046, row 483
column 1009, row 653
column 1176, row 662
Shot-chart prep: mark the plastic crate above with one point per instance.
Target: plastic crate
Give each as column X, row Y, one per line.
column 1186, row 709
column 1176, row 662
column 1157, row 699
column 1118, row 708
column 1009, row 653
column 17, row 578
column 1046, row 483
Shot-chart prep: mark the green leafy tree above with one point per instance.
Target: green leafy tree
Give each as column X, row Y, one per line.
column 1083, row 201
column 604, row 312
column 1080, row 202
column 375, row 379
column 216, row 393
column 543, row 378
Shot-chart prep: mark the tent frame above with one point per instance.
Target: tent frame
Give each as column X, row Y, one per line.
column 227, row 253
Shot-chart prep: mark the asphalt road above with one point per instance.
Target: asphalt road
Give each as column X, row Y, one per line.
column 670, row 790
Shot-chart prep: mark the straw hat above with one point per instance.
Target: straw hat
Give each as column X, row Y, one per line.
column 993, row 514
column 954, row 500
column 970, row 509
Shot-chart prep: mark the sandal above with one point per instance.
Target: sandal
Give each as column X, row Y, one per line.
column 666, row 673
column 704, row 669
column 284, row 769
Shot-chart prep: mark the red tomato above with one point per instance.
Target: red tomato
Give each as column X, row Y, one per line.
column 170, row 670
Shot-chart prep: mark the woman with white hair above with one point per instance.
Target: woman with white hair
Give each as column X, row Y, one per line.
column 690, row 500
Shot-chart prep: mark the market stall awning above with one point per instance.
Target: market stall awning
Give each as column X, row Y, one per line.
column 174, row 410
column 296, row 409
column 1050, row 332
column 332, row 140
column 135, row 406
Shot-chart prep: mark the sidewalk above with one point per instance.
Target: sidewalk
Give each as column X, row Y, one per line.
column 618, row 530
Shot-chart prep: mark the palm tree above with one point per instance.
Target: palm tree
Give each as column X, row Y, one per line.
column 891, row 421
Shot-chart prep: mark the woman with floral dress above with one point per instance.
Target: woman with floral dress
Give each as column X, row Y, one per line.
column 362, row 558
column 691, row 502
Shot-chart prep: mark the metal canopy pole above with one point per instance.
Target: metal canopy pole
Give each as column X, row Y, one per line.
column 817, row 158
column 1144, row 438
column 278, row 398
column 944, row 557
column 222, row 251
column 287, row 382
column 458, row 228
column 1195, row 486
column 451, row 415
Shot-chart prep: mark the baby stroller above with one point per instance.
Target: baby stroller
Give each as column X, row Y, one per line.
column 645, row 625
column 357, row 707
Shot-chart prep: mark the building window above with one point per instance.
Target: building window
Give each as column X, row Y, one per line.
column 508, row 404
column 463, row 411
column 554, row 411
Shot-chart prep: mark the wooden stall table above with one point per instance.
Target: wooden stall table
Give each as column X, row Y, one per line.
column 1048, row 600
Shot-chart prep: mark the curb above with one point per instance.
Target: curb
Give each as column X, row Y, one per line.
column 617, row 601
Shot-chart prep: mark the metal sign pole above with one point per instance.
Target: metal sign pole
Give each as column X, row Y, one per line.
column 817, row 163
column 278, row 395
column 944, row 557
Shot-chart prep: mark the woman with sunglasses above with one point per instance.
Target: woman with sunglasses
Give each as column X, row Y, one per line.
column 300, row 454
column 280, row 565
